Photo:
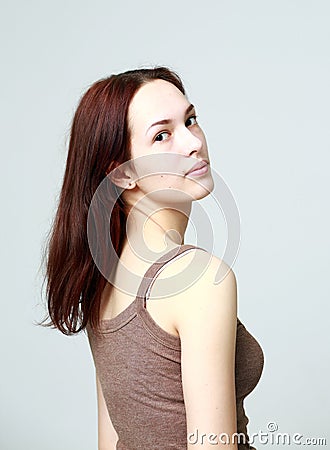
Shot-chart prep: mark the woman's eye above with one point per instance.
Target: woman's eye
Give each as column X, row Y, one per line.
column 160, row 136
column 191, row 121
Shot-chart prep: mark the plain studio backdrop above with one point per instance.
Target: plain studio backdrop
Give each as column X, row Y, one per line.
column 258, row 72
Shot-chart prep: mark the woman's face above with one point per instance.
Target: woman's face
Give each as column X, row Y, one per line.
column 166, row 142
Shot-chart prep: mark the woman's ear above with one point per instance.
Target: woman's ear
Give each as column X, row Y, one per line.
column 118, row 175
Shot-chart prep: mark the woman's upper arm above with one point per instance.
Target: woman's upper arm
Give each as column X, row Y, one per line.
column 107, row 436
column 206, row 322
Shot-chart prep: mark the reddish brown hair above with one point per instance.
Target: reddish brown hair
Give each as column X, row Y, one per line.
column 100, row 138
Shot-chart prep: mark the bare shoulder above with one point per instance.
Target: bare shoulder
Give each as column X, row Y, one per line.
column 199, row 282
column 197, row 287
column 200, row 278
column 214, row 288
column 207, row 267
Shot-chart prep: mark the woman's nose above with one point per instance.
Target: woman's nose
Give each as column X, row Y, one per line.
column 190, row 142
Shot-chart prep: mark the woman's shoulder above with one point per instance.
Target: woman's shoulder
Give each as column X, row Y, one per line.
column 205, row 265
column 198, row 287
column 209, row 299
column 195, row 275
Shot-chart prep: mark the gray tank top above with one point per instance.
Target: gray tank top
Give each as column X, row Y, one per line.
column 139, row 367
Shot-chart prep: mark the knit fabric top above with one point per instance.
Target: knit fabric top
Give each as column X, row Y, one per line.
column 139, row 367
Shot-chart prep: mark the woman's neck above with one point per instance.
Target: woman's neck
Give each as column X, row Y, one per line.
column 150, row 233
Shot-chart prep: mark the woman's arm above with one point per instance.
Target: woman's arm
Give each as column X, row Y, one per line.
column 107, row 436
column 206, row 320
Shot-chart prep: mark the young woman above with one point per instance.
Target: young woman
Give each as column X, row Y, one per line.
column 173, row 362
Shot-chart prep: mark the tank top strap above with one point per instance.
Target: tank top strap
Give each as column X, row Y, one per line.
column 152, row 272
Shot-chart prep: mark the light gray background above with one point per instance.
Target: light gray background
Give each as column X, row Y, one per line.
column 258, row 72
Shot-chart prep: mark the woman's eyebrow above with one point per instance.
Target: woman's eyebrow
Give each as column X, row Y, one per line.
column 167, row 121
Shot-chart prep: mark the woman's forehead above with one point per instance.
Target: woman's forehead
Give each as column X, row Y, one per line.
column 154, row 101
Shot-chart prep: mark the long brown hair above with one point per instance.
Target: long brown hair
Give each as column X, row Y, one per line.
column 99, row 139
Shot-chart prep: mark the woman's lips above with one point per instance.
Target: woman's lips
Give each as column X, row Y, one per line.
column 201, row 169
